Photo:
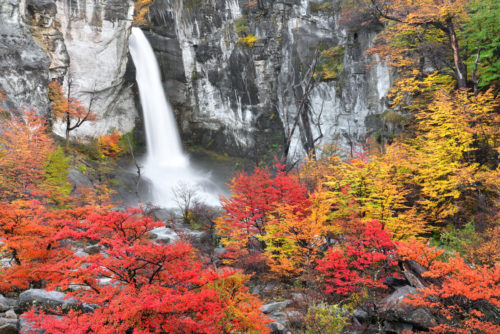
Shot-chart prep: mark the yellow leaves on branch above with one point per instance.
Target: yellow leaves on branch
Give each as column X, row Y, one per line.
column 446, row 150
column 249, row 40
column 141, row 9
column 110, row 145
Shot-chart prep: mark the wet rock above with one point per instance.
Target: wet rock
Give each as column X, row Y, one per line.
column 165, row 235
column 237, row 99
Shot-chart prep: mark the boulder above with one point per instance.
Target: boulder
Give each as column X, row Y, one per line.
column 399, row 314
column 277, row 328
column 8, row 327
column 6, row 303
column 46, row 300
column 361, row 315
column 274, row 307
column 395, row 282
column 10, row 314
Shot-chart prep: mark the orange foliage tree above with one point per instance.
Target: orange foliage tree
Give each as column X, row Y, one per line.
column 25, row 146
column 295, row 236
column 69, row 109
column 27, row 229
column 420, row 27
column 137, row 285
column 110, row 144
column 464, row 298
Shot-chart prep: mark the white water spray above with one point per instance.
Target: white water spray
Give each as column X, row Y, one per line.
column 165, row 165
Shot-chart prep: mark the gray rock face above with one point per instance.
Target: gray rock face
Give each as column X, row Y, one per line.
column 77, row 41
column 24, row 66
column 8, row 326
column 240, row 99
column 40, row 15
column 96, row 38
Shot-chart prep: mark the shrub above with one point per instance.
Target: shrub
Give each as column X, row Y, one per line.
column 324, row 318
column 248, row 41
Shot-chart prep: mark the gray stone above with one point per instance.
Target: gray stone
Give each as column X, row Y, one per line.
column 6, row 303
column 395, row 309
column 47, row 300
column 9, row 328
column 10, row 314
column 361, row 315
column 274, row 307
column 78, row 179
column 165, row 235
column 277, row 328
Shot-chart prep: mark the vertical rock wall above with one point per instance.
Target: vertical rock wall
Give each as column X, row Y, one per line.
column 84, row 42
column 242, row 99
column 96, row 38
column 24, row 66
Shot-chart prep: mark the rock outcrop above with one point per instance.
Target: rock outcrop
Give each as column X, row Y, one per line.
column 242, row 98
column 96, row 38
column 24, row 66
column 81, row 42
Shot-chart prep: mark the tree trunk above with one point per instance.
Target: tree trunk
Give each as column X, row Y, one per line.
column 461, row 70
column 68, row 125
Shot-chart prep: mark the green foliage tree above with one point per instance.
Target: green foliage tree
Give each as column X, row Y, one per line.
column 55, row 170
column 481, row 40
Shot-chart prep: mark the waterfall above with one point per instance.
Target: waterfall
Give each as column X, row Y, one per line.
column 165, row 165
column 163, row 141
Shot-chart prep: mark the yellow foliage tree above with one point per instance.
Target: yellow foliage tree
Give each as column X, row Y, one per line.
column 454, row 139
column 295, row 237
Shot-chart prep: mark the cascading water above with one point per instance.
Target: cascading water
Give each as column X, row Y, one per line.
column 165, row 165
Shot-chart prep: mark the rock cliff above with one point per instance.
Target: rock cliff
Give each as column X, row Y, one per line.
column 243, row 98
column 81, row 42
column 24, row 66
column 235, row 71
